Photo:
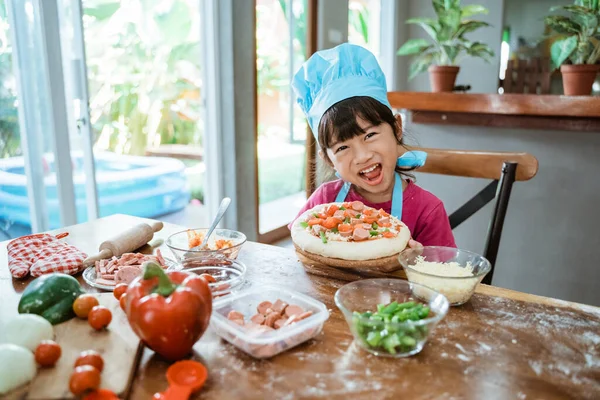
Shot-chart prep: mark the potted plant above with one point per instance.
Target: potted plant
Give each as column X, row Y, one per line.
column 448, row 42
column 578, row 43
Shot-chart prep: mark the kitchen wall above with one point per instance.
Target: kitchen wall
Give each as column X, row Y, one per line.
column 551, row 241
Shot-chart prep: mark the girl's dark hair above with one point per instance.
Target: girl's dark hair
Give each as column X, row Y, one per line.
column 338, row 124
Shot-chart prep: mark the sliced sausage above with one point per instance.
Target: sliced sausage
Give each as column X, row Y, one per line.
column 222, row 286
column 240, row 322
column 208, row 278
column 279, row 306
column 263, row 307
column 107, row 282
column 360, row 234
column 346, row 233
column 127, row 274
column 271, row 318
column 233, row 315
column 279, row 323
column 367, row 226
column 291, row 320
column 304, row 315
column 357, row 205
column 383, row 220
column 293, row 310
column 258, row 319
column 356, row 221
column 339, row 214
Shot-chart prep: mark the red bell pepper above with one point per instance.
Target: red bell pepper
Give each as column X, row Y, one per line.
column 168, row 311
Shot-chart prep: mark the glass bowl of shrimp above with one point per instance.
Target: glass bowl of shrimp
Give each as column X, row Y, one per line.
column 222, row 244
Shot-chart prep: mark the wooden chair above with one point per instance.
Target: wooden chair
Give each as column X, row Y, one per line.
column 523, row 76
column 503, row 168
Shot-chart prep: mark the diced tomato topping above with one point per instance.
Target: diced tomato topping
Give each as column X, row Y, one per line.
column 332, row 209
column 331, row 223
column 347, row 205
column 389, row 235
column 383, row 213
column 345, row 228
column 369, row 220
column 323, row 215
column 385, row 225
column 315, row 221
column 367, row 211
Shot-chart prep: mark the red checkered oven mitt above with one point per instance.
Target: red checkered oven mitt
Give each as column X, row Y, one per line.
column 43, row 254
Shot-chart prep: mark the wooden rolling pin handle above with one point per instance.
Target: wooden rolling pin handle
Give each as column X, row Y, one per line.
column 156, row 226
column 106, row 253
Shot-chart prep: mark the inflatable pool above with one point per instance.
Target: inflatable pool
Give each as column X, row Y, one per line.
column 140, row 186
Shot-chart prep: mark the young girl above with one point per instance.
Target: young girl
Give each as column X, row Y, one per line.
column 343, row 93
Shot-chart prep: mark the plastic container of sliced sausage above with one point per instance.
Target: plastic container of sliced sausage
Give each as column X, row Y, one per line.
column 267, row 344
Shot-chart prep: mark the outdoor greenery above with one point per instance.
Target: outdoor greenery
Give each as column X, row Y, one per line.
column 145, row 78
column 578, row 33
column 447, row 34
column 10, row 143
column 358, row 20
column 144, row 73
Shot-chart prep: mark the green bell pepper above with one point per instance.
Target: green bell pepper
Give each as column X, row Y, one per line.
column 51, row 296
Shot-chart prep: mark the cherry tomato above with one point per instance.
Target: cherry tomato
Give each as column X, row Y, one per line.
column 84, row 378
column 101, row 394
column 120, row 290
column 90, row 357
column 47, row 353
column 99, row 317
column 122, row 301
column 83, row 304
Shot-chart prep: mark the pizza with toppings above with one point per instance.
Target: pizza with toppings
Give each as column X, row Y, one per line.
column 349, row 235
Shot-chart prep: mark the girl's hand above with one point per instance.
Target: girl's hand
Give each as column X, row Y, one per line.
column 413, row 244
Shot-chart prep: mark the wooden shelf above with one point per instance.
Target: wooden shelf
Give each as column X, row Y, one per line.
column 573, row 113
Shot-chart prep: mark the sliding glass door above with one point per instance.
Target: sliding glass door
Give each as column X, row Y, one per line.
column 145, row 111
column 36, row 185
column 281, row 40
column 101, row 114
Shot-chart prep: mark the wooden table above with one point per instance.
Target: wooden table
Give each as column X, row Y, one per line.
column 501, row 345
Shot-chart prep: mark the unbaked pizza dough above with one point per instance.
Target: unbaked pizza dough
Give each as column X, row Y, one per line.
column 319, row 231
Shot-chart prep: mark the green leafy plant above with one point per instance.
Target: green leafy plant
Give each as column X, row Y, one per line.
column 144, row 73
column 578, row 33
column 447, row 33
column 10, row 143
column 358, row 20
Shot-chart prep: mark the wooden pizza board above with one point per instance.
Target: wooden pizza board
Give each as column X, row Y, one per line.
column 388, row 267
column 119, row 346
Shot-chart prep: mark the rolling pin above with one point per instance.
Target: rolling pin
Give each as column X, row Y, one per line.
column 125, row 242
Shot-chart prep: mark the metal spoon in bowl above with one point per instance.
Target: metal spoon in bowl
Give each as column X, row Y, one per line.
column 222, row 208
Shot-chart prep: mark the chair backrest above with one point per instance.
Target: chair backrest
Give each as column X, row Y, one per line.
column 502, row 168
column 477, row 164
column 527, row 76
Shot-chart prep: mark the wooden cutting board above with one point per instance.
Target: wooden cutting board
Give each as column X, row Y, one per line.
column 316, row 267
column 119, row 346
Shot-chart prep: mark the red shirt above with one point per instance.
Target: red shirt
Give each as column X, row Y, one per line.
column 422, row 212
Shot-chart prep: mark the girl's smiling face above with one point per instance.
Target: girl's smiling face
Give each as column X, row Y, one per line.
column 368, row 160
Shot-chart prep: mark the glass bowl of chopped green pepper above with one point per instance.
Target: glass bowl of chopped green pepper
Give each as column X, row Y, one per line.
column 387, row 318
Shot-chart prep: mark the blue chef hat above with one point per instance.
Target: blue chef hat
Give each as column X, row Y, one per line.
column 330, row 76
